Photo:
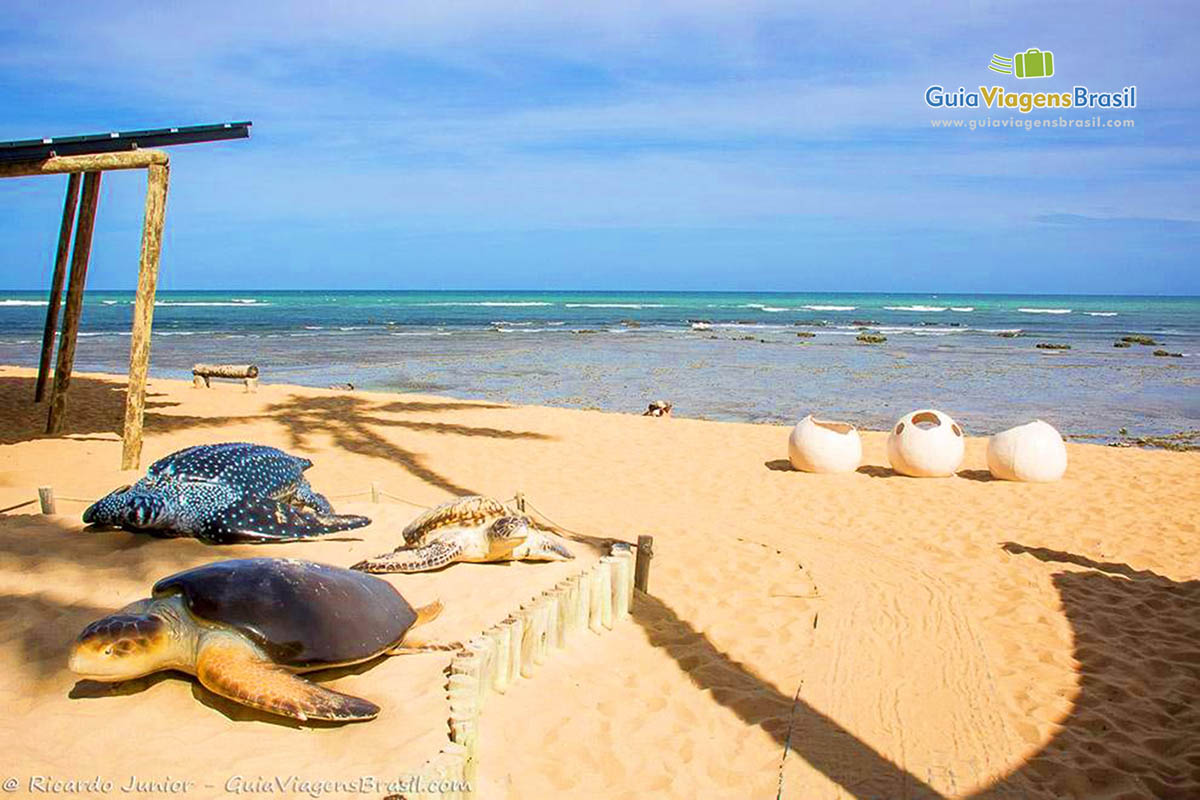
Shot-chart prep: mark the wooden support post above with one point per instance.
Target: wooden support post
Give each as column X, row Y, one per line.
column 143, row 314
column 521, row 502
column 46, row 498
column 641, row 572
column 70, row 327
column 56, row 285
column 374, row 492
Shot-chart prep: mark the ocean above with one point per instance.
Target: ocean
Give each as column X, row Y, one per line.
column 715, row 355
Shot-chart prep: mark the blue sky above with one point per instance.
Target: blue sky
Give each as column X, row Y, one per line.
column 700, row 145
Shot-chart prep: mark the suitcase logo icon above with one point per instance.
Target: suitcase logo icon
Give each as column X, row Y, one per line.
column 1033, row 63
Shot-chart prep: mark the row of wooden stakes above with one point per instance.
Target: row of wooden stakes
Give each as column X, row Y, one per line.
column 593, row 600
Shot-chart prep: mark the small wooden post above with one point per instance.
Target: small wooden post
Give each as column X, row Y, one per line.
column 374, row 492
column 583, row 601
column 597, row 589
column 46, row 498
column 500, row 638
column 70, row 327
column 521, row 502
column 143, row 314
column 56, row 285
column 641, row 571
column 516, row 632
column 529, row 635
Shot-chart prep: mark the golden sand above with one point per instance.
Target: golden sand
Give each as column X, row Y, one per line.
column 866, row 636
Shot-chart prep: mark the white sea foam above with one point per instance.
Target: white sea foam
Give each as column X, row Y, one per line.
column 1101, row 313
column 24, row 302
column 223, row 303
column 615, row 305
column 915, row 308
column 830, row 308
column 491, row 303
column 962, row 309
column 1044, row 310
column 761, row 307
column 109, row 302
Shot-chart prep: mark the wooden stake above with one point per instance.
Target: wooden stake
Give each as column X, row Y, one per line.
column 641, row 572
column 46, row 498
column 143, row 314
column 500, row 639
column 374, row 492
column 515, row 631
column 521, row 502
column 529, row 636
column 70, row 327
column 56, row 285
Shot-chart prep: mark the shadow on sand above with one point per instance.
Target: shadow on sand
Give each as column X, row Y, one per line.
column 1134, row 730
column 94, row 406
column 353, row 424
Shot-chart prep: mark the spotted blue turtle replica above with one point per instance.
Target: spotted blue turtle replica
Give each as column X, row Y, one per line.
column 224, row 494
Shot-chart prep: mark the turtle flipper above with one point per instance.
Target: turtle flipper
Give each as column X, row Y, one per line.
column 419, row 644
column 256, row 521
column 233, row 669
column 434, row 555
column 305, row 496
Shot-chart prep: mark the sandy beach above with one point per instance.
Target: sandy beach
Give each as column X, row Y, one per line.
column 805, row 636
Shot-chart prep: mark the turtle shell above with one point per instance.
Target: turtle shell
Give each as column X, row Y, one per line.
column 302, row 614
column 256, row 468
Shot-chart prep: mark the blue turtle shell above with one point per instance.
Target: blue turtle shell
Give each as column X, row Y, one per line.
column 302, row 614
column 255, row 469
column 222, row 494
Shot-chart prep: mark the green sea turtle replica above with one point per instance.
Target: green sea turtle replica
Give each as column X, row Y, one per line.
column 473, row 528
column 224, row 494
column 246, row 627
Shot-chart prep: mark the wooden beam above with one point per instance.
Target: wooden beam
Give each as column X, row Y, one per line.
column 97, row 162
column 70, row 327
column 56, row 284
column 143, row 314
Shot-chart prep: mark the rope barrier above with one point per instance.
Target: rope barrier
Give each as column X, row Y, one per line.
column 402, row 500
column 376, row 492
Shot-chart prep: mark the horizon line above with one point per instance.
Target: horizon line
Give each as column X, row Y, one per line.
column 636, row 291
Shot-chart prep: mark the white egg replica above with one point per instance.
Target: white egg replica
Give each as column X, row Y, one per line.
column 1033, row 452
column 926, row 444
column 818, row 445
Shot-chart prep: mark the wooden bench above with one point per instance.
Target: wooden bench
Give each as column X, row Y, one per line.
column 202, row 374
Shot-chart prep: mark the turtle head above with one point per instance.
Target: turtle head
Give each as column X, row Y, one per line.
column 127, row 507
column 507, row 534
column 121, row 646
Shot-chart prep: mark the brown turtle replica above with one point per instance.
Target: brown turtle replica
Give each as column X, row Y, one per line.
column 246, row 627
column 472, row 528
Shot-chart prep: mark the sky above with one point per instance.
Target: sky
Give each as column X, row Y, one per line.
column 614, row 145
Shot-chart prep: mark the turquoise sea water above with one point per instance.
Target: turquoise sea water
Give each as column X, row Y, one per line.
column 734, row 356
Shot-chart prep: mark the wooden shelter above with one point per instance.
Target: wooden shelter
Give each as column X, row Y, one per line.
column 91, row 156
